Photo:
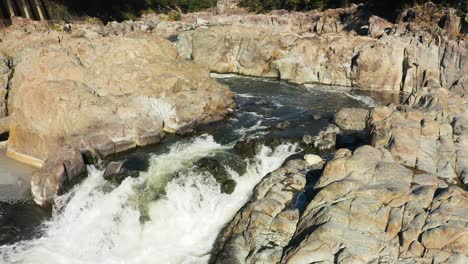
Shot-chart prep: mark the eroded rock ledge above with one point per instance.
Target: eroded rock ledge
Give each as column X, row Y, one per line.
column 368, row 208
column 364, row 208
column 328, row 49
column 75, row 100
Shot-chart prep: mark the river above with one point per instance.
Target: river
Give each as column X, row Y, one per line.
column 174, row 210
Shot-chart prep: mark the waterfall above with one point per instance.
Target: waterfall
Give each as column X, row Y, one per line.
column 97, row 222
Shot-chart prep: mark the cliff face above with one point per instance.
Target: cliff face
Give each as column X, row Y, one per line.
column 326, row 48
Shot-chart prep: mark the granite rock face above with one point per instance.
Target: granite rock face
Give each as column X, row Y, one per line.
column 77, row 100
column 143, row 88
column 320, row 47
column 368, row 208
column 351, row 118
column 391, row 63
column 364, row 207
column 429, row 132
column 264, row 226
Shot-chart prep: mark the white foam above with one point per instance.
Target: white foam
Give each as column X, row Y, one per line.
column 363, row 99
column 347, row 91
column 239, row 76
column 245, row 95
column 254, row 114
column 96, row 223
column 257, row 127
column 224, row 75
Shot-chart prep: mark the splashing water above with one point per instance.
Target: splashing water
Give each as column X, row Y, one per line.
column 366, row 100
column 98, row 223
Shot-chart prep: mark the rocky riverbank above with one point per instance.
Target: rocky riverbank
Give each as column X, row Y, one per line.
column 75, row 94
column 404, row 198
column 337, row 47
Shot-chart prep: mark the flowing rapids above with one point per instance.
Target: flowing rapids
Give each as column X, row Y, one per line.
column 173, row 212
column 95, row 223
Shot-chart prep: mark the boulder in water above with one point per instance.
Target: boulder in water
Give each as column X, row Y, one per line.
column 117, row 171
column 283, row 125
column 312, row 159
column 219, row 172
column 351, row 118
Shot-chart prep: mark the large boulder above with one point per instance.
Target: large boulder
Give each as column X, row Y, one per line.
column 102, row 96
column 351, row 118
column 378, row 26
column 62, row 92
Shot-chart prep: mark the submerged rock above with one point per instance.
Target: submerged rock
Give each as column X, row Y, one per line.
column 219, row 172
column 283, row 125
column 249, row 147
column 325, row 140
column 117, row 171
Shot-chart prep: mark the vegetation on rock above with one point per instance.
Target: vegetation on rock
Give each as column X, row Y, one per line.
column 108, row 10
column 383, row 8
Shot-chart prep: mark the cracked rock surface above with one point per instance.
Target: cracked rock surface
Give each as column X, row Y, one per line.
column 370, row 209
column 264, row 226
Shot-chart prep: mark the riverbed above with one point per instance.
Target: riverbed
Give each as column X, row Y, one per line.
column 174, row 210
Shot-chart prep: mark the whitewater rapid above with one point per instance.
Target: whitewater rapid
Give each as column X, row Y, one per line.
column 97, row 222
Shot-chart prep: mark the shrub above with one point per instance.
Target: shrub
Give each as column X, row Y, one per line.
column 174, row 16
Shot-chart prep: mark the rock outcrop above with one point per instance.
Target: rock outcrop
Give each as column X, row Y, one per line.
column 391, row 63
column 260, row 230
column 429, row 133
column 364, row 207
column 330, row 50
column 368, row 208
column 226, row 6
column 77, row 100
column 351, row 118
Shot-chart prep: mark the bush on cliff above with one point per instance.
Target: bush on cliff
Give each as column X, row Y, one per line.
column 130, row 9
column 108, row 10
column 384, row 8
